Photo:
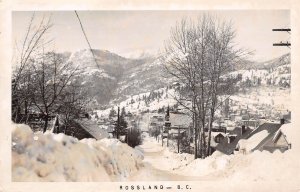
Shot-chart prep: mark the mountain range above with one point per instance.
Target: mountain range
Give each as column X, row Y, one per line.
column 113, row 78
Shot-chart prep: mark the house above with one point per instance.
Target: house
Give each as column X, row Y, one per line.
column 287, row 117
column 276, row 141
column 178, row 119
column 252, row 123
column 156, row 122
column 178, row 122
column 218, row 139
column 235, row 117
column 269, row 137
column 82, row 128
column 230, row 145
column 73, row 129
column 219, row 136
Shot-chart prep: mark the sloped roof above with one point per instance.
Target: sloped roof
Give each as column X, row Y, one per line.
column 273, row 136
column 213, row 143
column 180, row 120
column 92, row 128
column 174, row 131
column 290, row 131
column 270, row 127
column 271, row 130
column 214, row 134
column 228, row 148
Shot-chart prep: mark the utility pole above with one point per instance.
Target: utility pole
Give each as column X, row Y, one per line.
column 127, row 136
column 162, row 137
column 168, row 124
column 168, row 138
column 178, row 139
column 118, row 123
column 287, row 43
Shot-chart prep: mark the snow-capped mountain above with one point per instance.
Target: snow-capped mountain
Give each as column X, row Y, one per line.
column 116, row 78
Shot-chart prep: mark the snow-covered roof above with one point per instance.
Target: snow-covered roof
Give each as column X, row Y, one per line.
column 180, row 120
column 214, row 134
column 92, row 128
column 269, row 127
column 290, row 132
column 260, row 136
column 175, row 131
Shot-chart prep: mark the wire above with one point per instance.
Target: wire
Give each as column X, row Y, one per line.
column 86, row 39
column 83, row 31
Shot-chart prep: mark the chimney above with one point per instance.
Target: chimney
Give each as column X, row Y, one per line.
column 282, row 121
column 243, row 129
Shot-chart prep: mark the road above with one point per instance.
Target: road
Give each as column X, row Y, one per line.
column 158, row 167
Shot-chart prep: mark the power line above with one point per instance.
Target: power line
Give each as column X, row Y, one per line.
column 83, row 31
column 282, row 29
column 86, row 39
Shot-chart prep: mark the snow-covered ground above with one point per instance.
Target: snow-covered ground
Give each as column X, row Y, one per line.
column 252, row 167
column 160, row 163
column 57, row 157
column 276, row 97
column 167, row 98
column 161, row 157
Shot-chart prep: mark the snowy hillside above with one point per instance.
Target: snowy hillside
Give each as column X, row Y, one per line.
column 275, row 72
column 116, row 79
column 273, row 63
column 147, row 76
column 272, row 99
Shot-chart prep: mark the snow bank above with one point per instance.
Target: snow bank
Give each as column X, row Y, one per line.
column 265, row 166
column 57, row 157
column 201, row 167
column 255, row 166
column 177, row 160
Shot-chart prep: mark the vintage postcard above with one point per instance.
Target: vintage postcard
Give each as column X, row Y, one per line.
column 149, row 97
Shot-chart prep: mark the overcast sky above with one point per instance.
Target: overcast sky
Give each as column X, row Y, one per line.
column 129, row 33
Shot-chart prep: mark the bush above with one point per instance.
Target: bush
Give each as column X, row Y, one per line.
column 134, row 137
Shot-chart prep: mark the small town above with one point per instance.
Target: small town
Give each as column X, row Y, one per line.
column 203, row 109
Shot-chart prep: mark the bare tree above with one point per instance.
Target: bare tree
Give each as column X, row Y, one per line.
column 198, row 55
column 31, row 45
column 72, row 103
column 51, row 77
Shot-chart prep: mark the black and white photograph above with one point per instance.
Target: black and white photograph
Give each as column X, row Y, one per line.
column 129, row 96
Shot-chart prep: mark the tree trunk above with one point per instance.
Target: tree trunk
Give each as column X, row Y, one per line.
column 195, row 128
column 208, row 150
column 195, row 145
column 203, row 141
column 46, row 123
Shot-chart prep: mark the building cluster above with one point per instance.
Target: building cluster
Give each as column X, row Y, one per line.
column 233, row 124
